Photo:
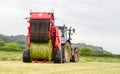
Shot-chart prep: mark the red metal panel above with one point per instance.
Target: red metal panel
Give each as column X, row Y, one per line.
column 58, row 39
column 41, row 15
column 28, row 37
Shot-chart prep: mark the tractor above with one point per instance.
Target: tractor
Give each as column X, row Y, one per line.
column 46, row 41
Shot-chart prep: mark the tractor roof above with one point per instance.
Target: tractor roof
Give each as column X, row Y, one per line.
column 61, row 27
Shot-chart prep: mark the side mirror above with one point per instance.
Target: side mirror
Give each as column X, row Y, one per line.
column 73, row 30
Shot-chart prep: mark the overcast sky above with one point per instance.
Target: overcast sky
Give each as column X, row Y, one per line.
column 97, row 22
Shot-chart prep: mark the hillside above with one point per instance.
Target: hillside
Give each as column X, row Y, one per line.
column 21, row 39
column 96, row 49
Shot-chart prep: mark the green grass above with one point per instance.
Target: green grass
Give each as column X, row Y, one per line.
column 100, row 58
column 10, row 55
column 17, row 55
column 11, row 63
column 18, row 67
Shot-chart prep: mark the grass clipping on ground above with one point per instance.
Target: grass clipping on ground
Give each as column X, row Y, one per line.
column 41, row 50
column 18, row 67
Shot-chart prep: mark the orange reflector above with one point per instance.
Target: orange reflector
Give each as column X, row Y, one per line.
column 44, row 61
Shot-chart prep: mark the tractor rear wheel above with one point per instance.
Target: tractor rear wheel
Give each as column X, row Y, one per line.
column 26, row 56
column 67, row 52
column 76, row 55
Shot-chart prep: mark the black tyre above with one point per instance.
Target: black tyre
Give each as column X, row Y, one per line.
column 26, row 56
column 58, row 56
column 76, row 55
column 67, row 52
column 72, row 55
column 63, row 52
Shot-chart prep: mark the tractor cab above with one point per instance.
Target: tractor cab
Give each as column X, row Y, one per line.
column 63, row 34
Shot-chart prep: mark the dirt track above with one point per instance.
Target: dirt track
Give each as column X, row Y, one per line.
column 18, row 67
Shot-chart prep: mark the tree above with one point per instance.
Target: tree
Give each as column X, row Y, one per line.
column 86, row 50
column 2, row 43
column 10, row 47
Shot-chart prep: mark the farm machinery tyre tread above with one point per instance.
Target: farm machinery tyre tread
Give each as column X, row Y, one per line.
column 26, row 56
column 63, row 52
column 57, row 56
column 67, row 52
column 76, row 54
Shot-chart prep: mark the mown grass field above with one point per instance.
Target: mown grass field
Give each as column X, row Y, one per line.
column 11, row 63
column 18, row 67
